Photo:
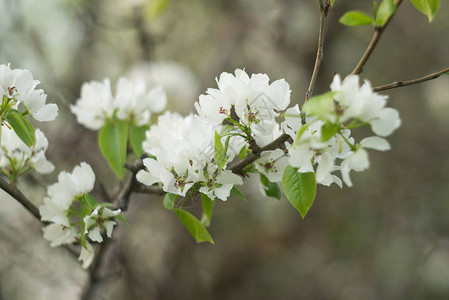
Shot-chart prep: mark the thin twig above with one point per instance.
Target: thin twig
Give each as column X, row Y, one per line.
column 14, row 192
column 398, row 84
column 374, row 40
column 324, row 9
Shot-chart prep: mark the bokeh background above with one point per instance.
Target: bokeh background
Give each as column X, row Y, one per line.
column 385, row 238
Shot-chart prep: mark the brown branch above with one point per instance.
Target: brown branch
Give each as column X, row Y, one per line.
column 398, row 84
column 238, row 167
column 324, row 9
column 14, row 192
column 374, row 40
column 122, row 199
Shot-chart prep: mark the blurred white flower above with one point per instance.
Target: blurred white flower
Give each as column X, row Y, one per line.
column 17, row 157
column 179, row 81
column 95, row 104
column 132, row 102
column 19, row 86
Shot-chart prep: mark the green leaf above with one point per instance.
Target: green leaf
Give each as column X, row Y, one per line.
column 300, row 189
column 136, row 138
column 90, row 201
column 384, row 12
column 194, row 226
column 236, row 192
column 220, row 152
column 208, row 207
column 169, row 201
column 243, row 152
column 427, row 7
column 22, row 127
column 355, row 18
column 271, row 189
column 121, row 218
column 106, row 204
column 112, row 140
column 321, row 106
column 329, row 130
column 332, row 2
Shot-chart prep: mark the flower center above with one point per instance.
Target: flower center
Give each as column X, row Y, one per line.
column 180, row 182
column 12, row 91
column 222, row 110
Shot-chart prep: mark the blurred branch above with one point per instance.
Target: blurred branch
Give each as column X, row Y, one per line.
column 398, row 84
column 14, row 192
column 374, row 40
column 324, row 9
column 145, row 38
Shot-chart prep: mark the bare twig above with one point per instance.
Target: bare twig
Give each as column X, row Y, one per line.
column 14, row 192
column 374, row 40
column 398, row 84
column 324, row 9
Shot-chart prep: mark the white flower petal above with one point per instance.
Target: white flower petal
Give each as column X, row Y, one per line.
column 376, row 143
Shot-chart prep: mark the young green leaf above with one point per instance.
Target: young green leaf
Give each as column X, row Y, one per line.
column 22, row 127
column 300, row 189
column 243, row 152
column 355, row 18
column 220, row 152
column 321, row 106
column 384, row 12
column 194, row 226
column 90, row 201
column 332, row 3
column 236, row 192
column 112, row 140
column 169, row 201
column 427, row 7
column 329, row 130
column 121, row 218
column 136, row 138
column 271, row 189
column 208, row 207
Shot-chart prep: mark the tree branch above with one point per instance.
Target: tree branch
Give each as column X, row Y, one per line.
column 14, row 192
column 122, row 199
column 398, row 84
column 238, row 167
column 374, row 40
column 324, row 9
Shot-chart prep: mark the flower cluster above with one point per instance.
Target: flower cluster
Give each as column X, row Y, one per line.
column 22, row 148
column 183, row 155
column 243, row 113
column 240, row 115
column 132, row 102
column 16, row 158
column 325, row 135
column 74, row 214
column 18, row 87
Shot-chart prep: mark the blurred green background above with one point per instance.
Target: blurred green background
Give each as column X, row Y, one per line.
column 385, row 238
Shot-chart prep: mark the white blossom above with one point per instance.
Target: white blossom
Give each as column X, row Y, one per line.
column 132, row 102
column 19, row 85
column 220, row 185
column 272, row 164
column 87, row 255
column 100, row 218
column 360, row 102
column 95, row 105
column 253, row 99
column 14, row 151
